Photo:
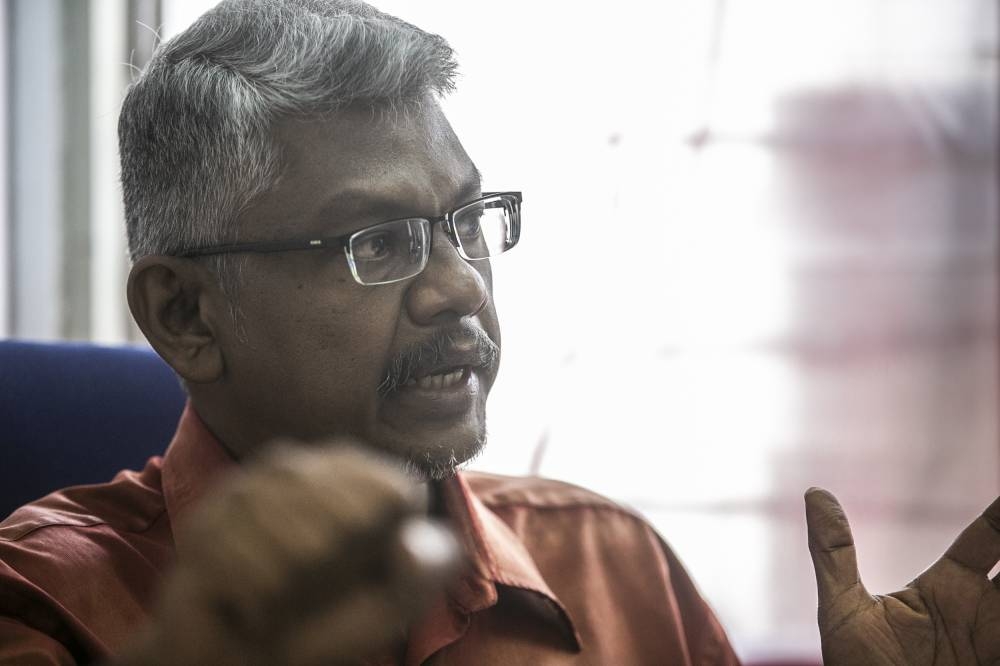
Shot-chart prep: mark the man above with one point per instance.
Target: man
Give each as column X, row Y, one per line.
column 311, row 254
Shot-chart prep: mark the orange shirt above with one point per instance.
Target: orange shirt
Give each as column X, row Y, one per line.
column 557, row 575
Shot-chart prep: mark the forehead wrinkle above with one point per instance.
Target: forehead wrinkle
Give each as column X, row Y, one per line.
column 363, row 198
column 385, row 153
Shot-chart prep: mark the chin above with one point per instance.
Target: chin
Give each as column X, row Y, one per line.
column 429, row 449
column 444, row 458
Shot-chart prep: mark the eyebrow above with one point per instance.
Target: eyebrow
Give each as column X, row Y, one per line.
column 472, row 187
column 362, row 202
column 475, row 180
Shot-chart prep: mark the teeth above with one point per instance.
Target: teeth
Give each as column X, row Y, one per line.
column 438, row 382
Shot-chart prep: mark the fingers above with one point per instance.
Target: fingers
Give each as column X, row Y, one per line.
column 978, row 546
column 406, row 556
column 299, row 508
column 328, row 544
column 424, row 557
column 355, row 481
column 831, row 545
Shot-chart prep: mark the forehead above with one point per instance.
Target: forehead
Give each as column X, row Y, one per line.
column 366, row 134
column 358, row 157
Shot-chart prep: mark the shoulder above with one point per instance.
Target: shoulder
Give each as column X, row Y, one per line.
column 86, row 533
column 573, row 534
column 71, row 543
column 499, row 492
column 546, row 511
column 83, row 562
column 131, row 502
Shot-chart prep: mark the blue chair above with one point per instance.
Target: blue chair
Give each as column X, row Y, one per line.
column 77, row 413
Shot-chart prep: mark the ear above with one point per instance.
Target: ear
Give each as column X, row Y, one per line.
column 175, row 302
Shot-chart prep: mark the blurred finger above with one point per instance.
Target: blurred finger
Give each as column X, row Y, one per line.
column 429, row 546
column 831, row 546
column 978, row 546
column 373, row 615
column 350, row 477
column 231, row 554
column 298, row 527
column 362, row 625
column 410, row 552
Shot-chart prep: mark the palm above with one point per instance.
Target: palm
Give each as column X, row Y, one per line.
column 949, row 615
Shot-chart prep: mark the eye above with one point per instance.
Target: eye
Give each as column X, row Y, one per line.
column 372, row 247
column 468, row 226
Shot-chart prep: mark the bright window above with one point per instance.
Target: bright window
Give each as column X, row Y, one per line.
column 759, row 254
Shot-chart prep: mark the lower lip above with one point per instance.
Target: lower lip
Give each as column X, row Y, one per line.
column 440, row 403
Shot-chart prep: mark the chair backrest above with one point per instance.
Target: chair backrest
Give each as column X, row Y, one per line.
column 77, row 413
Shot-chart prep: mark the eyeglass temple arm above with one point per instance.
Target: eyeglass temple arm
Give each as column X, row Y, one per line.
column 269, row 246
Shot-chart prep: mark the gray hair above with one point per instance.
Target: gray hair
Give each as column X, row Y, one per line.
column 195, row 131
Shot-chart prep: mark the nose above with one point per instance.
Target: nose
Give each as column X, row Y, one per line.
column 448, row 288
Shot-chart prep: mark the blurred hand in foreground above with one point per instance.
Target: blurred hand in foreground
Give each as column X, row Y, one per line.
column 950, row 614
column 306, row 556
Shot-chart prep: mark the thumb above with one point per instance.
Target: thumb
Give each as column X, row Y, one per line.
column 831, row 545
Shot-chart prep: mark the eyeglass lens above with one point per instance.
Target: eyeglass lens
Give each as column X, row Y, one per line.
column 484, row 229
column 399, row 249
column 389, row 252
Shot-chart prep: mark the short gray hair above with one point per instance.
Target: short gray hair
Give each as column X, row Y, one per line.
column 195, row 131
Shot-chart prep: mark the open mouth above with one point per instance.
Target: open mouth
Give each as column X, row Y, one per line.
column 451, row 362
column 443, row 395
column 438, row 380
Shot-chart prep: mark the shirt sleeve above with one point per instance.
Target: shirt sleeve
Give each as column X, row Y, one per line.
column 707, row 640
column 20, row 645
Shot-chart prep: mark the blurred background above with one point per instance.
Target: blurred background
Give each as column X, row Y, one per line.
column 759, row 254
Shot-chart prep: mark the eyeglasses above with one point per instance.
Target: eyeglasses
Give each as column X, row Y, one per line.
column 397, row 250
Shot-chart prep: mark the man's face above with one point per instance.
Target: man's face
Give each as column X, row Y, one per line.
column 316, row 346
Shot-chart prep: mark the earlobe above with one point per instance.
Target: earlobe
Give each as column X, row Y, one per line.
column 171, row 301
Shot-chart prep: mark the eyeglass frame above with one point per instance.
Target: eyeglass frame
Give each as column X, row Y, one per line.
column 343, row 241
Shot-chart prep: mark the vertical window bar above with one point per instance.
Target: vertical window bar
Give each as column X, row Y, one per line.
column 75, row 212
column 36, row 171
column 6, row 270
column 109, row 74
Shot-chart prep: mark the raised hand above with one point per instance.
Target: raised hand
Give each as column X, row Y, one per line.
column 308, row 556
column 949, row 615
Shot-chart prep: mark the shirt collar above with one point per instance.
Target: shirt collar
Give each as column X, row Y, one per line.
column 495, row 556
column 194, row 463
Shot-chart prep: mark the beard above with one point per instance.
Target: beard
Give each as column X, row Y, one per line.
column 441, row 462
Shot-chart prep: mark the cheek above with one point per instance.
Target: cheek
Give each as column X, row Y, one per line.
column 342, row 343
column 323, row 351
column 311, row 308
column 485, row 269
column 489, row 315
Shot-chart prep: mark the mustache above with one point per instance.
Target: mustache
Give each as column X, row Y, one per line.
column 463, row 344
